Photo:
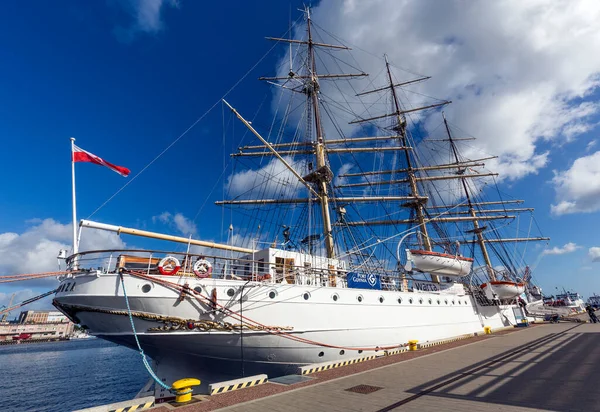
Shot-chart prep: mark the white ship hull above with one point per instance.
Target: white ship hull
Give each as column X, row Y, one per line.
column 97, row 302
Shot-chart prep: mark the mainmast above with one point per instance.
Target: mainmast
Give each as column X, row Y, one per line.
column 477, row 230
column 401, row 129
column 324, row 175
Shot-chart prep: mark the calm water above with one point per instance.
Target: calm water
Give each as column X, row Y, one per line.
column 63, row 376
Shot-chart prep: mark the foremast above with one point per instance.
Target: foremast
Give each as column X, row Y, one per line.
column 323, row 176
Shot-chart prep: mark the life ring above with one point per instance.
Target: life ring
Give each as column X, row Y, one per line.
column 202, row 268
column 169, row 266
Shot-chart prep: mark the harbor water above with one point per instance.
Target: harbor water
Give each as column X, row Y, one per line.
column 69, row 375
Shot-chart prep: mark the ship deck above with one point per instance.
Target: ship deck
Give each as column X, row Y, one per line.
column 542, row 367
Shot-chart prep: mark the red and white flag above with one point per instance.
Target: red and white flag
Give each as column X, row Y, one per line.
column 80, row 155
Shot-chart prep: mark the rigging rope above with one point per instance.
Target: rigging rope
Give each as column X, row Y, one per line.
column 27, row 302
column 190, row 127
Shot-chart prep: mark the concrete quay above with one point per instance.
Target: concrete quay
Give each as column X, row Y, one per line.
column 548, row 367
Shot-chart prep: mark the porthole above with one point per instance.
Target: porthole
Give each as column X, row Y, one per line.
column 308, row 282
column 335, row 297
column 421, row 301
column 342, row 352
column 459, row 302
column 430, row 301
column 306, row 296
column 410, row 300
column 146, row 288
column 272, row 294
column 453, row 302
column 466, row 302
column 360, row 351
column 446, row 301
column 381, row 299
column 321, row 354
column 359, row 298
column 399, row 300
column 438, row 301
column 198, row 289
column 230, row 292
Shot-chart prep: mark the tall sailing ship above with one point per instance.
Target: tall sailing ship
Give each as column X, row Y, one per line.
column 355, row 239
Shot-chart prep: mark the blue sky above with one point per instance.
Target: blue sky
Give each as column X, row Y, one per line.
column 126, row 78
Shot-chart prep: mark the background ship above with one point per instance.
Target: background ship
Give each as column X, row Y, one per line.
column 357, row 235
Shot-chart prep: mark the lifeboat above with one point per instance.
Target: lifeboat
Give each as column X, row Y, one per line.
column 502, row 289
column 440, row 263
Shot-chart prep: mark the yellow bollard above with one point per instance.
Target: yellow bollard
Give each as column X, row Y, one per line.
column 184, row 389
column 412, row 344
column 487, row 330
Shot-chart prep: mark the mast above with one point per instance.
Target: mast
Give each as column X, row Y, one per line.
column 322, row 179
column 401, row 128
column 477, row 230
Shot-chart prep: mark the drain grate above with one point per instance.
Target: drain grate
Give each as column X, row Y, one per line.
column 364, row 389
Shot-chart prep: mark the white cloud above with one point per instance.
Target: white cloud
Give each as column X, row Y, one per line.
column 35, row 249
column 590, row 145
column 272, row 180
column 578, row 188
column 519, row 73
column 567, row 248
column 594, row 254
column 146, row 15
column 178, row 221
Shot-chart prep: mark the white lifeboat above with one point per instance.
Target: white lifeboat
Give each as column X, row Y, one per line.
column 502, row 289
column 440, row 263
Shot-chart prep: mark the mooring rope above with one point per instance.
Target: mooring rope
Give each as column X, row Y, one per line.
column 144, row 359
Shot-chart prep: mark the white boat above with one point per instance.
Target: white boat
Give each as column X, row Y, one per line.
column 334, row 288
column 500, row 289
column 440, row 263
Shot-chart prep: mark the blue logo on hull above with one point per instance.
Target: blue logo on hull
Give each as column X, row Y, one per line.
column 363, row 281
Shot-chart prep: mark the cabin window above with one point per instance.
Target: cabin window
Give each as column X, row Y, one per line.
column 261, row 265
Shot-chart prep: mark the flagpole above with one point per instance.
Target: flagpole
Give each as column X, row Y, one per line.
column 75, row 243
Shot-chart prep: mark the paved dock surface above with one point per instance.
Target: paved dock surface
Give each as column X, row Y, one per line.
column 552, row 367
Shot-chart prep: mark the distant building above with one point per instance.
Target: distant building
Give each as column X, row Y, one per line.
column 39, row 325
column 36, row 330
column 37, row 316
